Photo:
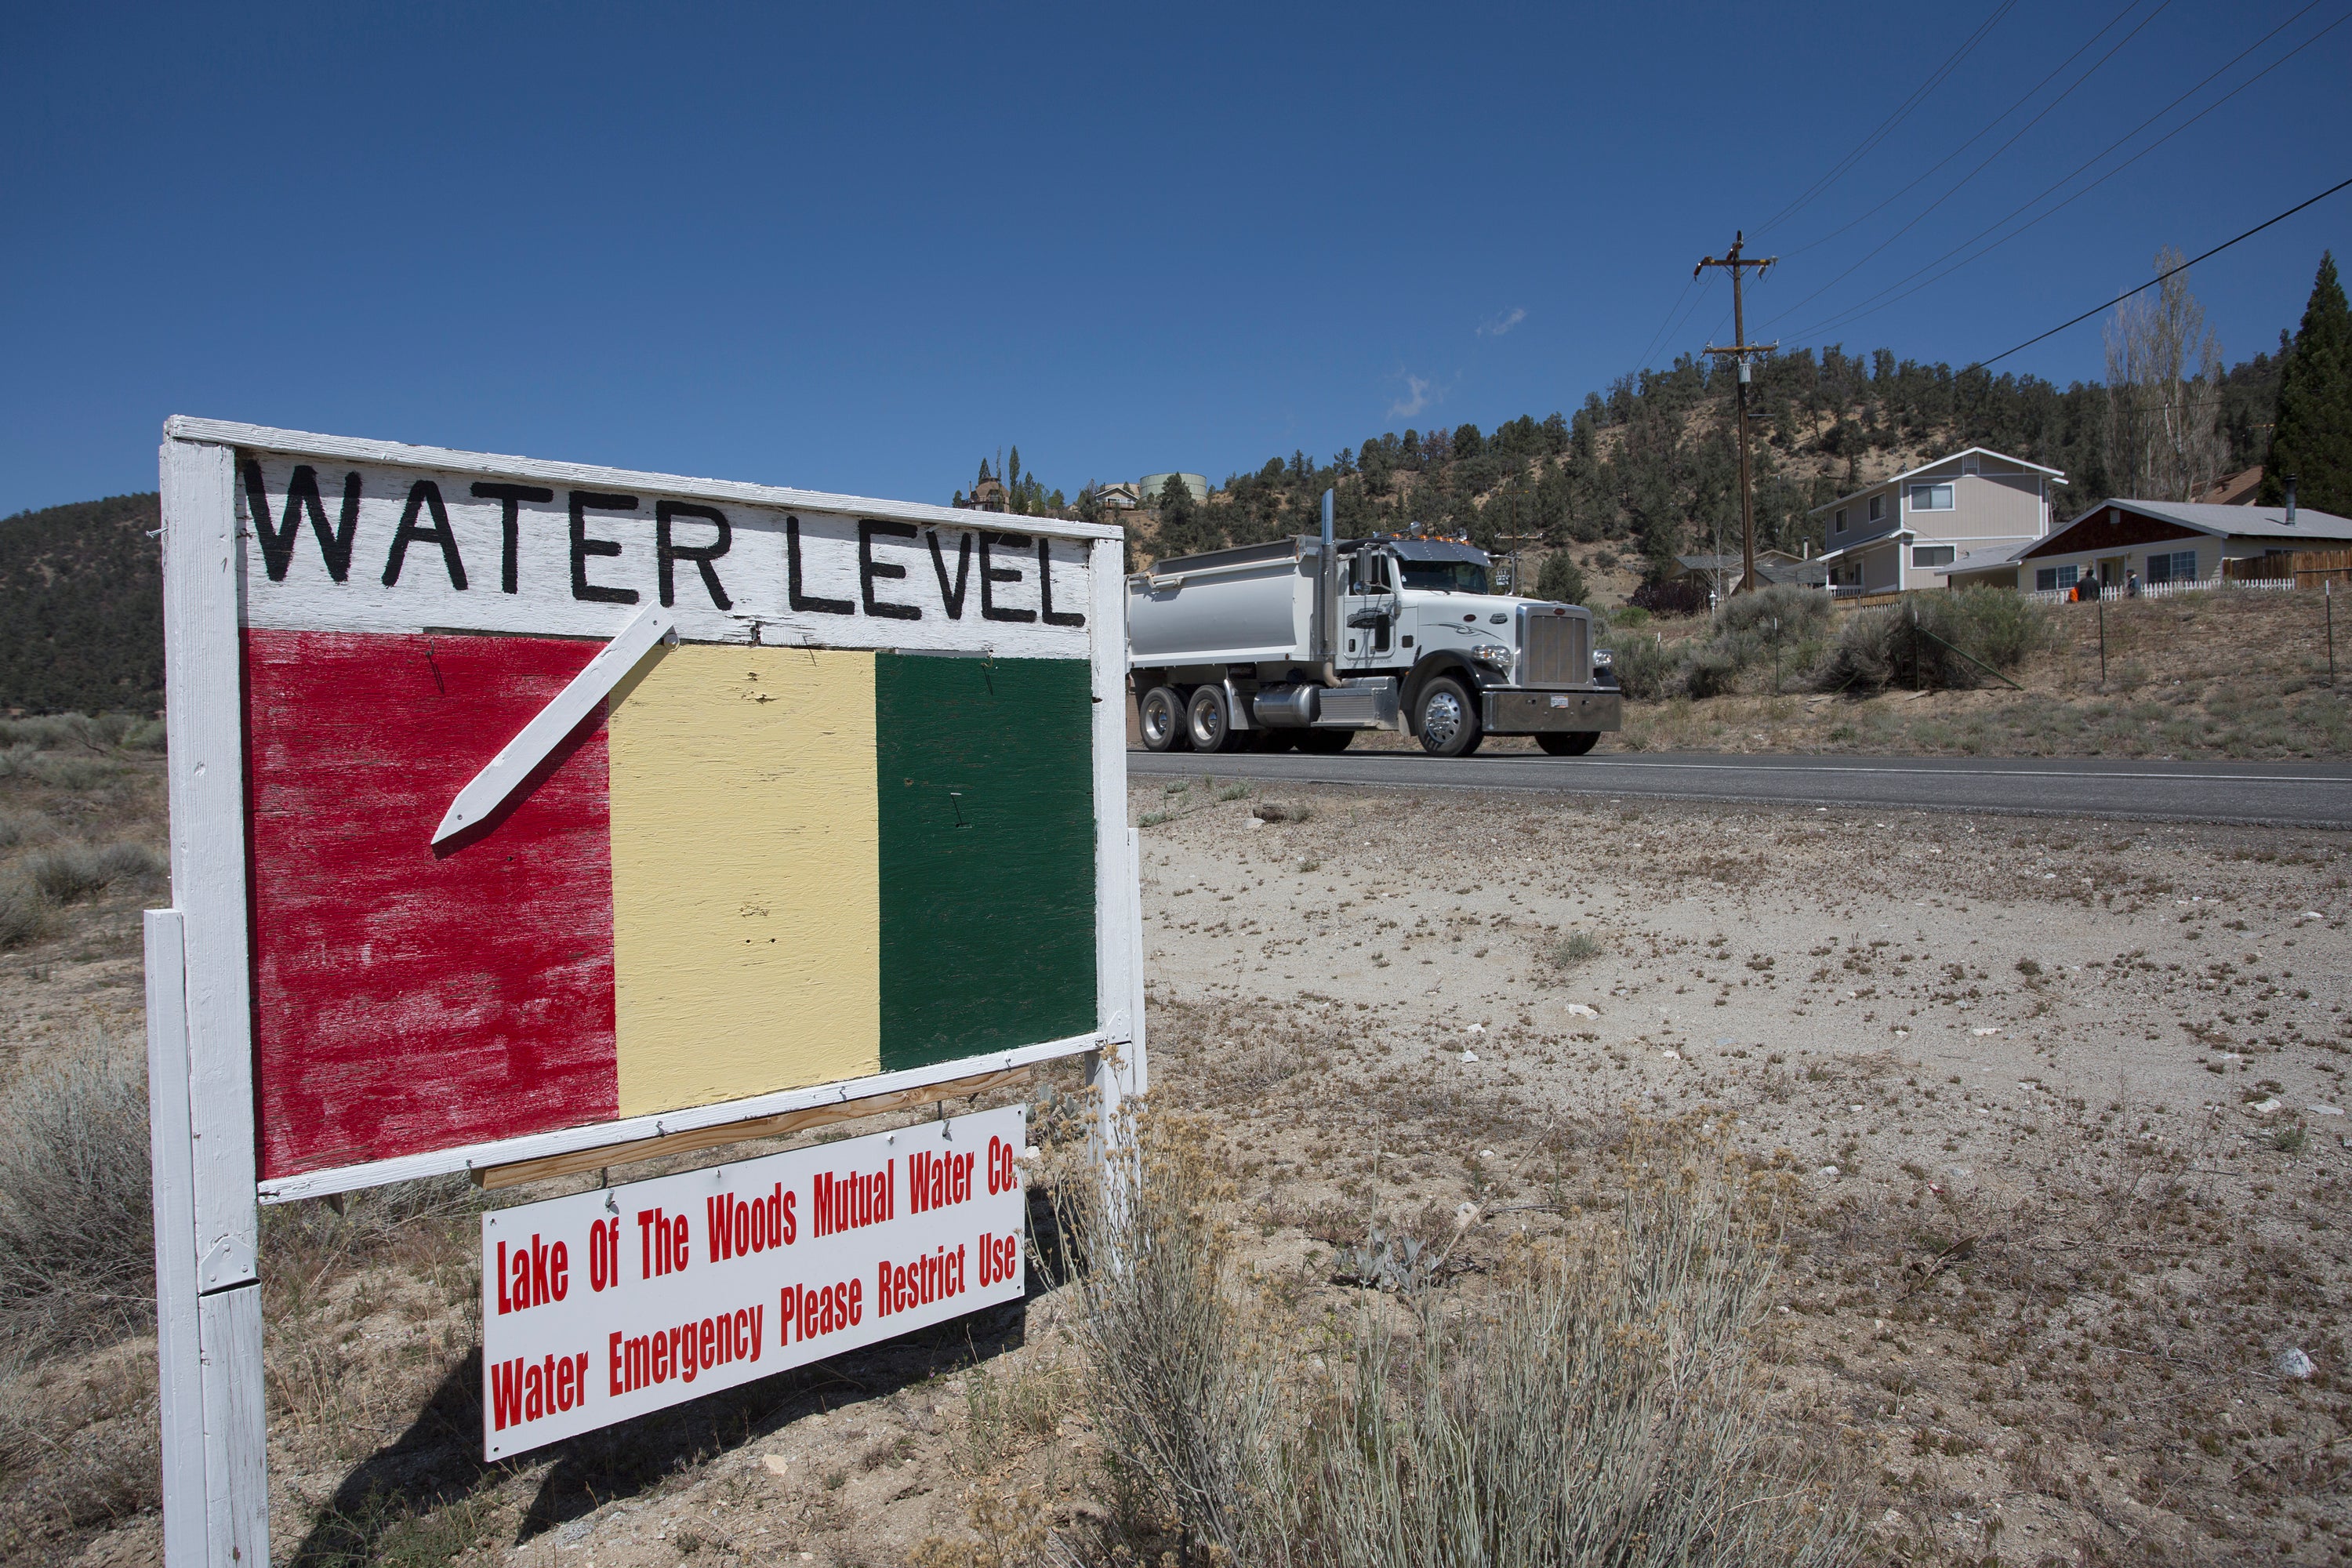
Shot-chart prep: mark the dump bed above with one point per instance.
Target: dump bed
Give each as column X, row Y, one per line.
column 1252, row 604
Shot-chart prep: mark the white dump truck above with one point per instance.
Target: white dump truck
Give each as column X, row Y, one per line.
column 1304, row 641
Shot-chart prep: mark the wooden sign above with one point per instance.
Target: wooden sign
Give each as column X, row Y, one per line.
column 613, row 1303
column 525, row 808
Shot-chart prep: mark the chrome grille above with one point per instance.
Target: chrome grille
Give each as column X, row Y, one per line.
column 1556, row 651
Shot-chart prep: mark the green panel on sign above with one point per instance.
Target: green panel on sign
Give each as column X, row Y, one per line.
column 985, row 777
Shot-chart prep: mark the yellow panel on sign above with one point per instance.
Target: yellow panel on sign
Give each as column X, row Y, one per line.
column 746, row 882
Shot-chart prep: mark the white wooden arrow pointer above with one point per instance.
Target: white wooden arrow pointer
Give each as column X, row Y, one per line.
column 520, row 757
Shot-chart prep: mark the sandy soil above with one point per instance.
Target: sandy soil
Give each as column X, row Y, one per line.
column 2056, row 1103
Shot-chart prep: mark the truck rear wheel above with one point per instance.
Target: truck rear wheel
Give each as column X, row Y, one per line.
column 1325, row 742
column 1208, row 723
column 1447, row 717
column 1162, row 720
column 1569, row 743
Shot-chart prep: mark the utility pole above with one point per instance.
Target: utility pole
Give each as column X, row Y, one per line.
column 1740, row 350
column 1514, row 541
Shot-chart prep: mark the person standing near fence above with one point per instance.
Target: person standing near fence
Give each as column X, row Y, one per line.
column 2131, row 585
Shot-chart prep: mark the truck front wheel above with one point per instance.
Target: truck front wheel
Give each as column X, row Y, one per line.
column 1208, row 723
column 1162, row 720
column 1448, row 718
column 1569, row 743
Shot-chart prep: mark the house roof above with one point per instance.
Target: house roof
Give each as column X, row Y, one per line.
column 1875, row 542
column 2233, row 489
column 1810, row 574
column 1728, row 561
column 2263, row 523
column 1937, row 463
column 1772, row 565
column 1985, row 558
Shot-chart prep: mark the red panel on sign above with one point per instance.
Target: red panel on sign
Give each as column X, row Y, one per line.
column 407, row 1001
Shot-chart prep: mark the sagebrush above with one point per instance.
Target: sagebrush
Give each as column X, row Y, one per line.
column 1598, row 1405
column 77, row 1238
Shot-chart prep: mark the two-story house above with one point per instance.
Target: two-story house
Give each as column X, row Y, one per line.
column 1895, row 534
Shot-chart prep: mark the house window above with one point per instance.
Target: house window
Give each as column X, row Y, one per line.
column 1931, row 554
column 2056, row 579
column 2176, row 566
column 1969, row 465
column 1877, row 507
column 1837, row 522
column 1931, row 498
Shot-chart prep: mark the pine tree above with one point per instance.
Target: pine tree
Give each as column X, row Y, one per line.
column 1561, row 579
column 2312, row 437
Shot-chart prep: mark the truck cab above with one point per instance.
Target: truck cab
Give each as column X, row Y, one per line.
column 1304, row 641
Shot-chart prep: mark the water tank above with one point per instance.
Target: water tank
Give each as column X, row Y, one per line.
column 1151, row 484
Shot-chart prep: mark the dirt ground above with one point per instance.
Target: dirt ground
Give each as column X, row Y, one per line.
column 2057, row 1103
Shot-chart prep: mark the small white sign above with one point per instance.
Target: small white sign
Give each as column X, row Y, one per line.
column 613, row 1303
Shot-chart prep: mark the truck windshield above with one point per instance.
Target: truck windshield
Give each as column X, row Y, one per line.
column 1446, row 576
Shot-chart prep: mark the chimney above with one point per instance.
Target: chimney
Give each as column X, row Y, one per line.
column 2290, row 500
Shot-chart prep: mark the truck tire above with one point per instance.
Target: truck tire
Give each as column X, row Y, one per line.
column 1446, row 716
column 1162, row 720
column 1325, row 742
column 1569, row 743
column 1209, row 723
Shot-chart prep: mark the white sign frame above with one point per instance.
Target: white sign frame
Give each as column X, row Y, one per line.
column 199, row 990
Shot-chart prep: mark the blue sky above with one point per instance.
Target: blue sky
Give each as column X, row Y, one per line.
column 859, row 247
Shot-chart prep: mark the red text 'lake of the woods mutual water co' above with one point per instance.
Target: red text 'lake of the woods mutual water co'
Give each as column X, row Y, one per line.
column 615, row 1302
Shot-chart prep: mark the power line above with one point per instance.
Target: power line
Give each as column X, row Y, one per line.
column 1982, row 364
column 1921, row 215
column 2129, row 6
column 1889, row 295
column 1659, row 336
column 1676, row 330
column 1886, row 127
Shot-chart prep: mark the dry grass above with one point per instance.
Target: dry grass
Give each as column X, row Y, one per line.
column 2071, row 1364
column 77, row 1240
column 1594, row 1404
column 2229, row 673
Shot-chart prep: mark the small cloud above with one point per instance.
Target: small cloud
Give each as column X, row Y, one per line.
column 1417, row 398
column 1503, row 324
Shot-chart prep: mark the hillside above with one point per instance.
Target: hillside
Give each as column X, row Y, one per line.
column 82, row 608
column 1650, row 468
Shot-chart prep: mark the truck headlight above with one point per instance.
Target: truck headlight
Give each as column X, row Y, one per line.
column 1492, row 653
column 1602, row 658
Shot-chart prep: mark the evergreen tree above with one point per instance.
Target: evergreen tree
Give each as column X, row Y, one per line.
column 1561, row 579
column 1183, row 530
column 2312, row 437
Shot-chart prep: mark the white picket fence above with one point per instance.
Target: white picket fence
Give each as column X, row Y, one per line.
column 2165, row 590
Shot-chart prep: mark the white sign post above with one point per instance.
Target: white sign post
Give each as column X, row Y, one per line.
column 526, row 813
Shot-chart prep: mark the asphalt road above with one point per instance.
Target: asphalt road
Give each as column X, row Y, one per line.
column 2286, row 794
